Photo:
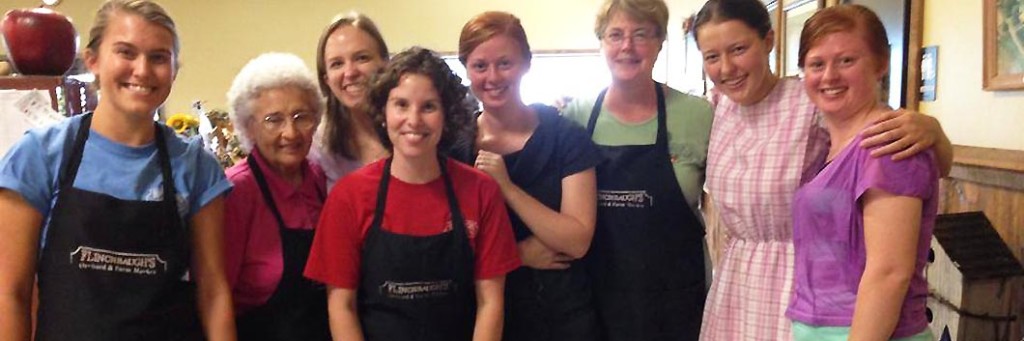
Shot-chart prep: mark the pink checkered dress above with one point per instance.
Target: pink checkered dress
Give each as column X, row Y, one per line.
column 758, row 156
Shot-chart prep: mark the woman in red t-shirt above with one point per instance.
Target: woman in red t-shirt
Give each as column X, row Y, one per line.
column 415, row 246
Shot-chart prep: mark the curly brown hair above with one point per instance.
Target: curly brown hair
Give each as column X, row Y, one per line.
column 458, row 108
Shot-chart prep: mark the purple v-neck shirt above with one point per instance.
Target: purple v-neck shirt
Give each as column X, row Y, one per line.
column 828, row 235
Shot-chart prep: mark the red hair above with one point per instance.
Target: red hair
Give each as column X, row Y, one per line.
column 487, row 25
column 846, row 18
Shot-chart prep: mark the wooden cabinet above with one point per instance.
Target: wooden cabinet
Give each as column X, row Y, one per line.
column 68, row 96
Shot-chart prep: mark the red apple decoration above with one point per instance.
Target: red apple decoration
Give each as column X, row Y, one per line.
column 39, row 41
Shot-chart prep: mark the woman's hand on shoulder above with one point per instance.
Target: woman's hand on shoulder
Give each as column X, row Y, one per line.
column 901, row 133
column 904, row 133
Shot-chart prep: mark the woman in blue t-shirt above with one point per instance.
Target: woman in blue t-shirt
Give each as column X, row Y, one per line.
column 117, row 219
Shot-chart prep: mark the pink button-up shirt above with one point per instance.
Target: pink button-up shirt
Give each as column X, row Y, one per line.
column 253, row 261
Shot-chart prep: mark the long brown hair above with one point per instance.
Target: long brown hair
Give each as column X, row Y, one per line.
column 337, row 121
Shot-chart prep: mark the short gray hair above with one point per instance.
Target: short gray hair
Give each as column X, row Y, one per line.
column 268, row 71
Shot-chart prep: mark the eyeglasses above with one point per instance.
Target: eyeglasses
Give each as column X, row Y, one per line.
column 301, row 120
column 639, row 37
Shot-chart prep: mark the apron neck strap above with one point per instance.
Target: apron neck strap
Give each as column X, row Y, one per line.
column 261, row 181
column 170, row 193
column 453, row 206
column 595, row 112
column 453, row 203
column 74, row 159
column 662, row 116
column 74, row 153
column 662, row 137
column 382, row 195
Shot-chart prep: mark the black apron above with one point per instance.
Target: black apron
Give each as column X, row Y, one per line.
column 414, row 287
column 115, row 269
column 647, row 258
column 297, row 310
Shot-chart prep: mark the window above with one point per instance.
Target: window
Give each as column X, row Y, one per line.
column 554, row 75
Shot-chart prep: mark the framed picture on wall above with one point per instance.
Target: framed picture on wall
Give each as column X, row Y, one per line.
column 1004, row 45
column 794, row 14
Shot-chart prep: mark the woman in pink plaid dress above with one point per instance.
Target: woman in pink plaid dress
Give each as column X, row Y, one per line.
column 765, row 141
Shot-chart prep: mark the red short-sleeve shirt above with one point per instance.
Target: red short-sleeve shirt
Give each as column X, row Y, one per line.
column 411, row 209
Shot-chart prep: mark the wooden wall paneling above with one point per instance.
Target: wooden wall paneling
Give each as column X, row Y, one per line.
column 915, row 41
column 780, row 30
column 1004, row 207
column 991, row 181
column 1010, row 160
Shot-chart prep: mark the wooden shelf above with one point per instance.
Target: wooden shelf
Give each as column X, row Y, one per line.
column 71, row 90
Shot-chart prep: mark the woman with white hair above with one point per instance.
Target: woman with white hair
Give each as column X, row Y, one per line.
column 272, row 212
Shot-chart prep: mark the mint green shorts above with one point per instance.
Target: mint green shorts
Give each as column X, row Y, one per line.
column 803, row 332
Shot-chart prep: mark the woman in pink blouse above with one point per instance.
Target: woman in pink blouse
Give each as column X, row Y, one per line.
column 275, row 205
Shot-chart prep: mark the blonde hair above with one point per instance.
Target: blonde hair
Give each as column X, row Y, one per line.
column 148, row 10
column 653, row 11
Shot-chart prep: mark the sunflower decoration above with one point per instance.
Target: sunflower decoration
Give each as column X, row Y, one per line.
column 184, row 124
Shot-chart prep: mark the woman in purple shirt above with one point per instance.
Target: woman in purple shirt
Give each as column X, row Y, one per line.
column 862, row 226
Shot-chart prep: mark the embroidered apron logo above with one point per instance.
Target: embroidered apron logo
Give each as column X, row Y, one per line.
column 88, row 258
column 416, row 290
column 629, row 199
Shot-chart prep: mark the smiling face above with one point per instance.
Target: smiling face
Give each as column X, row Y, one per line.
column 281, row 127
column 841, row 75
column 495, row 69
column 351, row 57
column 414, row 117
column 630, row 59
column 135, row 65
column 736, row 60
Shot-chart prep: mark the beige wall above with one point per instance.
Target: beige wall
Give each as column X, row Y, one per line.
column 218, row 37
column 970, row 115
